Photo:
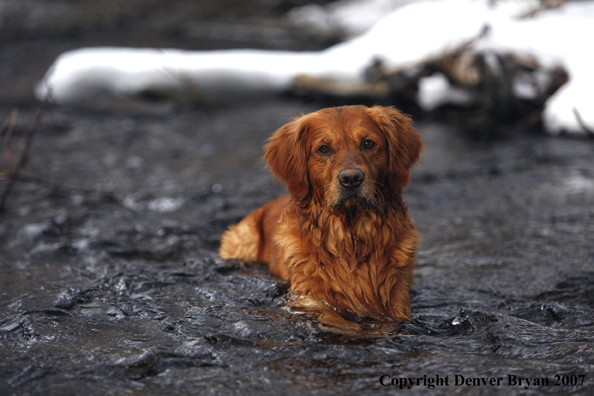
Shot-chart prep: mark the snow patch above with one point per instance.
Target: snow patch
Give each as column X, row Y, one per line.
column 409, row 35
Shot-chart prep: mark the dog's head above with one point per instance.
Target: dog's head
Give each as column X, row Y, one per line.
column 346, row 156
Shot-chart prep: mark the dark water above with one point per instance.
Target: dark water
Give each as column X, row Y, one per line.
column 110, row 285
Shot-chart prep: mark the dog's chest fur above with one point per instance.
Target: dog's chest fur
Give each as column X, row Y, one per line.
column 356, row 265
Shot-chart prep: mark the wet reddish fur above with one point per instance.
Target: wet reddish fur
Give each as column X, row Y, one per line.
column 356, row 256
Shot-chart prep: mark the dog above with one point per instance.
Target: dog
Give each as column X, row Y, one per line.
column 343, row 237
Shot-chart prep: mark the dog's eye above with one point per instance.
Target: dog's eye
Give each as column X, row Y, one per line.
column 369, row 144
column 323, row 149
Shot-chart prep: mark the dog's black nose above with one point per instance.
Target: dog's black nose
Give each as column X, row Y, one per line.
column 351, row 178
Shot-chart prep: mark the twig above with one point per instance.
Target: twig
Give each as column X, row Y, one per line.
column 27, row 136
column 545, row 5
column 589, row 131
column 58, row 187
column 9, row 124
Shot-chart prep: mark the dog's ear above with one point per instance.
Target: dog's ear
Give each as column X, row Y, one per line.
column 404, row 142
column 286, row 156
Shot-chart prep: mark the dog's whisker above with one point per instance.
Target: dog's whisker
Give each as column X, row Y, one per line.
column 378, row 183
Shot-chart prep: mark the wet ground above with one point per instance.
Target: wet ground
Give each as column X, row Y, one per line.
column 111, row 283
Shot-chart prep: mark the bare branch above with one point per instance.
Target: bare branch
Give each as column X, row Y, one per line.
column 544, row 5
column 27, row 136
column 589, row 131
column 9, row 123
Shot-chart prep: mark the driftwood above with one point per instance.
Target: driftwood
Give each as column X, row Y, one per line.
column 492, row 78
column 495, row 79
column 304, row 84
column 505, row 87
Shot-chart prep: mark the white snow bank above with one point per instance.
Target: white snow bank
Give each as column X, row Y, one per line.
column 355, row 17
column 402, row 39
column 91, row 73
column 350, row 17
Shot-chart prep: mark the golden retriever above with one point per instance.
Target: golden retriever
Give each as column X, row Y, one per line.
column 343, row 237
